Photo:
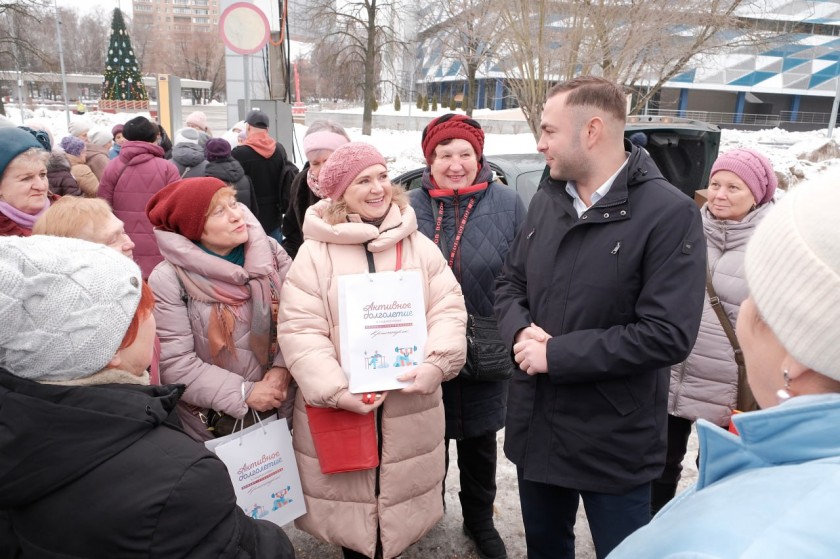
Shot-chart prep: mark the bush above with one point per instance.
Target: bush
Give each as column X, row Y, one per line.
column 425, row 104
column 419, row 103
column 453, row 104
column 397, row 105
column 375, row 105
column 434, row 103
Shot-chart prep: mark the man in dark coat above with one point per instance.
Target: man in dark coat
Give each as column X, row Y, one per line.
column 264, row 161
column 93, row 460
column 601, row 293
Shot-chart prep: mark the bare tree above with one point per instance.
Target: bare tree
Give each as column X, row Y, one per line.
column 360, row 33
column 468, row 32
column 642, row 44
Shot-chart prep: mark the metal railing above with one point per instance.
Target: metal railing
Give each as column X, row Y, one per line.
column 722, row 118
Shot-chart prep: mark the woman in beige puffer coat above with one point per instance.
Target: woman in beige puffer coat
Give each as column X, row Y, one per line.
column 705, row 385
column 381, row 511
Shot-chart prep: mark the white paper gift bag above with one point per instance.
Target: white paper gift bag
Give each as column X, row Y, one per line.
column 261, row 464
column 382, row 326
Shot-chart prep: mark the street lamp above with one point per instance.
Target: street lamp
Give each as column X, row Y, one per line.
column 61, row 59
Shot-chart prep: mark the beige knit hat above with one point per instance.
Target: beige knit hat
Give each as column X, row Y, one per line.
column 793, row 272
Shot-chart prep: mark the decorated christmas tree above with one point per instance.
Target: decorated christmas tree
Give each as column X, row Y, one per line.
column 123, row 87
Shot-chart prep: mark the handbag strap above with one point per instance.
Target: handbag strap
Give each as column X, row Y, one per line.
column 372, row 266
column 725, row 323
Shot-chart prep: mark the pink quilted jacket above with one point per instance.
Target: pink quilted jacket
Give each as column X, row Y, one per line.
column 127, row 184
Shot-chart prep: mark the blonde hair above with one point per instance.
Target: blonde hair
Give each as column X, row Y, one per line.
column 224, row 192
column 337, row 212
column 71, row 215
column 32, row 154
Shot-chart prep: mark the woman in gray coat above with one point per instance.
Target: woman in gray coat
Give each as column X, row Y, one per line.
column 705, row 385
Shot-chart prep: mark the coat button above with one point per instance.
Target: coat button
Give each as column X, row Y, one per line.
column 606, row 215
column 584, row 216
column 148, row 410
column 623, row 212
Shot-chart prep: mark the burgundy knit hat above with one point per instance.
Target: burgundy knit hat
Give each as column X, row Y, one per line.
column 449, row 127
column 751, row 167
column 117, row 129
column 344, row 165
column 181, row 207
column 216, row 149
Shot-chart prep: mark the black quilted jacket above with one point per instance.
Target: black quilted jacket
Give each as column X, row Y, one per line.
column 473, row 409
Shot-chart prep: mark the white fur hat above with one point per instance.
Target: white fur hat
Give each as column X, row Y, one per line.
column 65, row 306
column 793, row 272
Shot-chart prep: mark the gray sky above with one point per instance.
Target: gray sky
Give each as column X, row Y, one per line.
column 86, row 5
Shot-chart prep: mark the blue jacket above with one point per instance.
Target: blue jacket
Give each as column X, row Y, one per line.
column 772, row 492
column 473, row 408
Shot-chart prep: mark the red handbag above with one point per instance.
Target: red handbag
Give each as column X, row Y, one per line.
column 345, row 441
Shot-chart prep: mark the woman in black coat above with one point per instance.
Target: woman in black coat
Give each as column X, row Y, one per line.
column 93, row 460
column 321, row 139
column 473, row 220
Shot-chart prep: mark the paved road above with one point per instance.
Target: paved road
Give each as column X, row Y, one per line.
column 447, row 541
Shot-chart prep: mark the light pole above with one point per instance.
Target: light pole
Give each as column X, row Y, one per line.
column 61, row 59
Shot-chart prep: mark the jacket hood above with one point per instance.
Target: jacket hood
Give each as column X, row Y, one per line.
column 725, row 234
column 400, row 222
column 57, row 162
column 188, row 154
column 799, row 430
column 135, row 153
column 228, row 169
column 55, row 434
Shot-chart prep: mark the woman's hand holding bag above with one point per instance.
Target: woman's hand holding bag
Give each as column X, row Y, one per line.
column 265, row 395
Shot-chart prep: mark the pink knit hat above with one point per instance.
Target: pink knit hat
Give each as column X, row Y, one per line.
column 751, row 167
column 197, row 119
column 323, row 140
column 344, row 165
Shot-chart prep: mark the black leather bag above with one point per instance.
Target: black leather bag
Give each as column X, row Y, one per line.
column 488, row 358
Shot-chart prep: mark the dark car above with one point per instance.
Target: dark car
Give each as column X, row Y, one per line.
column 683, row 149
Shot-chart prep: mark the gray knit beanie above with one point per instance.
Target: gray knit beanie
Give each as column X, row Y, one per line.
column 793, row 272
column 65, row 306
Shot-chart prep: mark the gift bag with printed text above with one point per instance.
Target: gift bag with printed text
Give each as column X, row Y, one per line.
column 383, row 333
column 261, row 464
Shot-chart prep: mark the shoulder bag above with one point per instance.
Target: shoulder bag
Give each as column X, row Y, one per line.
column 488, row 357
column 746, row 400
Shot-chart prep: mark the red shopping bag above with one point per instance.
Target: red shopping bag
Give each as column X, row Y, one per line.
column 344, row 441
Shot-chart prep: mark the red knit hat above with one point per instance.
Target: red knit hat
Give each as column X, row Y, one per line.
column 344, row 165
column 181, row 207
column 449, row 127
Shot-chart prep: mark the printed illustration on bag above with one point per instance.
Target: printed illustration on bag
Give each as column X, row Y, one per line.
column 375, row 361
column 280, row 499
column 381, row 311
column 261, row 463
column 257, row 511
column 404, row 356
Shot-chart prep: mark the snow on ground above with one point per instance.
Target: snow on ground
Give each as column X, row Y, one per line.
column 796, row 156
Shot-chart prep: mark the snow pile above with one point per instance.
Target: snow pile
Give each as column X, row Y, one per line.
column 796, row 156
